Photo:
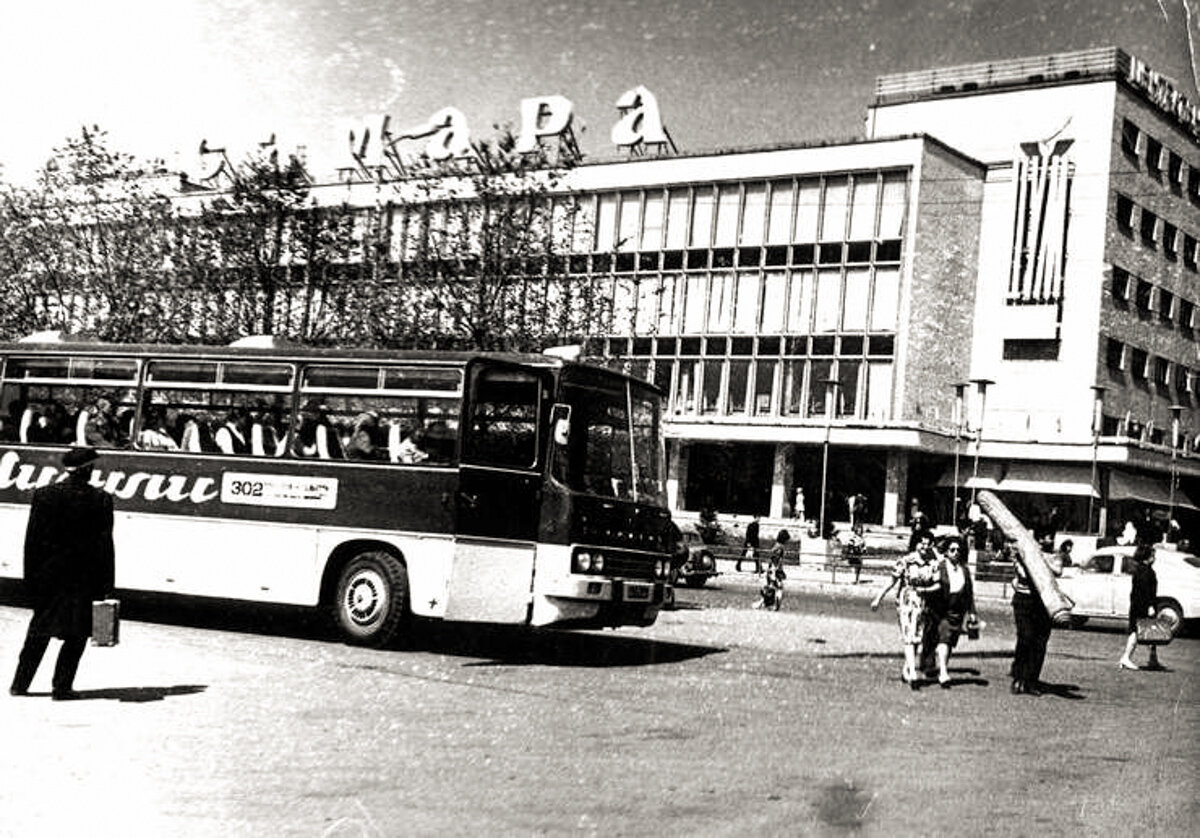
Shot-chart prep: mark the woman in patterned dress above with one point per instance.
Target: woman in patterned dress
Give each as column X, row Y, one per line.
column 914, row 575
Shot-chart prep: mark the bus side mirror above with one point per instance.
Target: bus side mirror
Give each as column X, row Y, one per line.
column 562, row 424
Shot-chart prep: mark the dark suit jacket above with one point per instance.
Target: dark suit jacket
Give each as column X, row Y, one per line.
column 68, row 555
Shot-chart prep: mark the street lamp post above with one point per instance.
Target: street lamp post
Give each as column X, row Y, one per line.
column 1097, row 423
column 1176, row 412
column 831, row 385
column 960, row 391
column 981, row 385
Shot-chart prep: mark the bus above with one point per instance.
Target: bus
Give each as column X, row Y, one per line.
column 380, row 486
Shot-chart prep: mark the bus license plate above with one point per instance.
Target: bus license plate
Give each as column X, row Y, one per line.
column 638, row 592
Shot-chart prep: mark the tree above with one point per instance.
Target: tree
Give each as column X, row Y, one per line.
column 486, row 254
column 85, row 247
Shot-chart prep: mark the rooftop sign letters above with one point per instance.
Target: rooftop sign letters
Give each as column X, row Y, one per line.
column 378, row 150
column 1162, row 93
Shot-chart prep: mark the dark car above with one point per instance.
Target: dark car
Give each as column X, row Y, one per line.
column 695, row 561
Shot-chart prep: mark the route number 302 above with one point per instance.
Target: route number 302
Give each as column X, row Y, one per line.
column 246, row 488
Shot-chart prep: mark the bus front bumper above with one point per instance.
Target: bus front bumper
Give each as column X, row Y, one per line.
column 599, row 602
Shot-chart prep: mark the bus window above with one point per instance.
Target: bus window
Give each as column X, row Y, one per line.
column 610, row 452
column 69, row 401
column 217, row 407
column 386, row 414
column 503, row 419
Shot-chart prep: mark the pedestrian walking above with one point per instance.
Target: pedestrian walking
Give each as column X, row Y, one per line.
column 951, row 603
column 1143, row 591
column 1033, row 627
column 68, row 565
column 771, row 593
column 750, row 547
column 913, row 576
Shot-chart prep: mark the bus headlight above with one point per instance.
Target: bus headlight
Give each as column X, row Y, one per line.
column 598, row 563
column 583, row 561
column 664, row 568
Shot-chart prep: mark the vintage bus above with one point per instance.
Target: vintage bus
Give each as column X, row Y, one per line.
column 475, row 487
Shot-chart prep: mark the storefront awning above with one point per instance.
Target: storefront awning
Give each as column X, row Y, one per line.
column 1035, row 478
column 1154, row 490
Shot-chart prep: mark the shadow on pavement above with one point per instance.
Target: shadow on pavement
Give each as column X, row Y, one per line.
column 133, row 695
column 517, row 646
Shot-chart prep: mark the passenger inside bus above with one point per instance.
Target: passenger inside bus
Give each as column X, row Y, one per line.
column 364, row 440
column 154, row 435
column 412, row 448
column 231, row 437
column 316, row 437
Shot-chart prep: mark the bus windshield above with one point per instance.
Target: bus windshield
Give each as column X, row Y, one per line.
column 607, row 441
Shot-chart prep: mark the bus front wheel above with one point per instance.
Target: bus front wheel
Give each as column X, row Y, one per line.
column 372, row 599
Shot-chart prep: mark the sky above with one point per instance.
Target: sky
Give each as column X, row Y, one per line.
column 161, row 75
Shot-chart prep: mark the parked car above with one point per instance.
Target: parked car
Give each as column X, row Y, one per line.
column 1099, row 585
column 697, row 564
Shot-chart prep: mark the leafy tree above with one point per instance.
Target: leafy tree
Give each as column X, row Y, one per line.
column 88, row 244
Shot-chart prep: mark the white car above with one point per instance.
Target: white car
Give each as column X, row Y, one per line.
column 1099, row 585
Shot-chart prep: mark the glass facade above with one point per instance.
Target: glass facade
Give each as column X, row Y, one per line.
column 756, row 293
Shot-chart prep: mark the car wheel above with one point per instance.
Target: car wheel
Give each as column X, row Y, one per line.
column 372, row 599
column 1169, row 614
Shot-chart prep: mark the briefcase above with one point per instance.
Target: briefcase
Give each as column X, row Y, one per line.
column 1152, row 632
column 106, row 622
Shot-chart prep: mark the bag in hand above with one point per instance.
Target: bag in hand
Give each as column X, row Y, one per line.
column 106, row 622
column 1152, row 632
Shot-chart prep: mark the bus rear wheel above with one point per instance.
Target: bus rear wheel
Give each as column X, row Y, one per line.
column 371, row 605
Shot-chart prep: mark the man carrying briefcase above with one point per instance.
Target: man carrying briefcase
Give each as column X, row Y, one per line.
column 68, row 564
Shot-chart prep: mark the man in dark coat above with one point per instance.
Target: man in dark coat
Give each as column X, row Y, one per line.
column 68, row 564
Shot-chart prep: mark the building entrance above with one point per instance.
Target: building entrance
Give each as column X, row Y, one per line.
column 731, row 478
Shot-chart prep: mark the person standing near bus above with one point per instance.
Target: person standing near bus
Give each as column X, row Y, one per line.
column 750, row 547
column 68, row 564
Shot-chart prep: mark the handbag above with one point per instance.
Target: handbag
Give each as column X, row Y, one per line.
column 106, row 622
column 1151, row 632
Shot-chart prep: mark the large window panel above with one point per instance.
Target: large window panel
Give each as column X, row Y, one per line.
column 702, row 217
column 892, row 205
column 606, row 223
column 847, row 392
column 624, row 300
column 677, row 219
column 774, row 301
column 585, row 226
column 753, row 214
column 648, row 297
column 808, row 210
column 739, row 379
column 833, row 217
column 727, row 216
column 779, row 225
column 793, row 388
column 710, row 393
column 764, row 387
column 885, row 302
column 652, row 222
column 745, row 316
column 829, row 298
column 693, row 317
column 631, row 221
column 720, row 302
column 820, row 371
column 685, row 386
column 670, row 320
column 856, row 306
column 800, row 303
column 862, row 209
column 879, row 391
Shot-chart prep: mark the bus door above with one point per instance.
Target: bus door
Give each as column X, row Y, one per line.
column 497, row 506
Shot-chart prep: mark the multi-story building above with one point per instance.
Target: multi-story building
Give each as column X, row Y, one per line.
column 1014, row 243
